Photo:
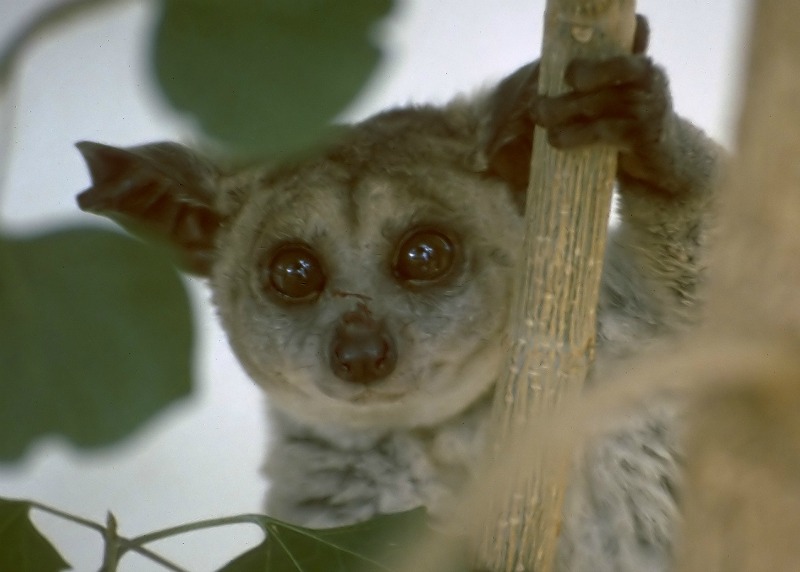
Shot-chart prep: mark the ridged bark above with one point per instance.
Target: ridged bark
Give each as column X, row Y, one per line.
column 568, row 205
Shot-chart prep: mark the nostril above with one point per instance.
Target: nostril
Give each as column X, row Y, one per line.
column 362, row 356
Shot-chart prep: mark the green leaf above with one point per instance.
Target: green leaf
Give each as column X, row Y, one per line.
column 377, row 545
column 96, row 337
column 265, row 76
column 22, row 547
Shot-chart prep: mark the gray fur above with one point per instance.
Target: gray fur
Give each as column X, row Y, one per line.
column 622, row 507
column 342, row 452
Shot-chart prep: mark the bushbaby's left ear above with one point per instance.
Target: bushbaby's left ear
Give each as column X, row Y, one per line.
column 506, row 137
column 161, row 191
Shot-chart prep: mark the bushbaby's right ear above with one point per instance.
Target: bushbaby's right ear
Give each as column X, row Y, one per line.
column 161, row 190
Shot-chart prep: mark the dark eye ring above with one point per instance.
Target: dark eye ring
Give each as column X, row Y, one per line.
column 424, row 256
column 294, row 272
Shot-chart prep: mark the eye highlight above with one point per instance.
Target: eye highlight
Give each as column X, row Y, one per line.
column 423, row 256
column 294, row 273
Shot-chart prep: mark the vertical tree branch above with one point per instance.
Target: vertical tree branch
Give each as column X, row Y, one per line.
column 568, row 204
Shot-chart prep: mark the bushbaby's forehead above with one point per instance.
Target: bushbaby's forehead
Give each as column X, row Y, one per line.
column 329, row 202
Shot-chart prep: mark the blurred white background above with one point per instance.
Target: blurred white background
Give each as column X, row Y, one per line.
column 89, row 80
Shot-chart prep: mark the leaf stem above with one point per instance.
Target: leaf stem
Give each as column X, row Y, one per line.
column 110, row 536
column 67, row 516
column 200, row 525
column 111, row 554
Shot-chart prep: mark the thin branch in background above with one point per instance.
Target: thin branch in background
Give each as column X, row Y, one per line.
column 10, row 54
column 742, row 494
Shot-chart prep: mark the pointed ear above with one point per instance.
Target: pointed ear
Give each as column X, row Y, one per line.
column 161, row 191
column 506, row 137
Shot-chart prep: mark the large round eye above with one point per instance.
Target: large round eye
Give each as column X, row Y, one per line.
column 295, row 273
column 423, row 256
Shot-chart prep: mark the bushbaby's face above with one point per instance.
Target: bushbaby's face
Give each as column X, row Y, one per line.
column 369, row 296
column 368, row 286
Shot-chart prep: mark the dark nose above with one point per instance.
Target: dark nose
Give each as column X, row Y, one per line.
column 362, row 351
